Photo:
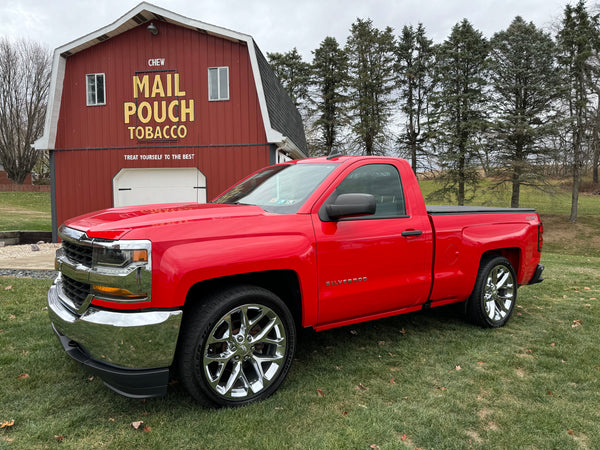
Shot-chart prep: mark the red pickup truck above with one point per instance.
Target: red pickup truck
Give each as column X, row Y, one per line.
column 216, row 292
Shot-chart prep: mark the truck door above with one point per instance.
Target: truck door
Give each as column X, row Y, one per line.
column 375, row 264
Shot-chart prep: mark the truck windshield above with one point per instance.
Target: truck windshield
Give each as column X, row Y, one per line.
column 280, row 189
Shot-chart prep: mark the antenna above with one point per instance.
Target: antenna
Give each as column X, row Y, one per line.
column 335, row 154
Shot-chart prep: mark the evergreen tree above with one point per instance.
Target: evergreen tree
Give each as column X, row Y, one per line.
column 525, row 84
column 458, row 103
column 293, row 73
column 330, row 66
column 371, row 62
column 577, row 39
column 413, row 66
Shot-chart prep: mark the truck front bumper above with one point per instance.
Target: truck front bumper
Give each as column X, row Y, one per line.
column 130, row 351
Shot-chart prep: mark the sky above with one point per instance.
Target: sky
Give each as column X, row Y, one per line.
column 276, row 26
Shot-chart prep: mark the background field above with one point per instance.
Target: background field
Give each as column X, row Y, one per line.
column 25, row 211
column 426, row 380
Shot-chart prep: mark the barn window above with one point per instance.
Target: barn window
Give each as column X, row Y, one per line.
column 95, row 89
column 218, row 83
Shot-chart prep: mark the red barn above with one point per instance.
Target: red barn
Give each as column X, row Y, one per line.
column 157, row 107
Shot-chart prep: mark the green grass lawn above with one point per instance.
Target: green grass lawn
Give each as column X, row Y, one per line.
column 427, row 380
column 25, row 211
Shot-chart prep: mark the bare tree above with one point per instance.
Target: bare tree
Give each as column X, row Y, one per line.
column 24, row 82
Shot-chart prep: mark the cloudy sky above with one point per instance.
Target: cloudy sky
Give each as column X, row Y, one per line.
column 276, row 25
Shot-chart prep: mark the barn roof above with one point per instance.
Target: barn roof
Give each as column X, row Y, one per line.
column 283, row 124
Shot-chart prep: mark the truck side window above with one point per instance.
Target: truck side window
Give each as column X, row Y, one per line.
column 383, row 182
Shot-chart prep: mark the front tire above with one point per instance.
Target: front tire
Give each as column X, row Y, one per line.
column 236, row 347
column 493, row 299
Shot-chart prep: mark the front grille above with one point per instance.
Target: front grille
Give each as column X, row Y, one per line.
column 78, row 253
column 75, row 290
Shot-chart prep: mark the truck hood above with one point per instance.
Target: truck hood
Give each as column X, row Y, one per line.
column 115, row 223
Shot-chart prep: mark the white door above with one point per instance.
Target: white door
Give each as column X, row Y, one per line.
column 166, row 185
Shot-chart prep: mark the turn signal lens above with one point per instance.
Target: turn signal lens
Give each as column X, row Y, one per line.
column 118, row 292
column 140, row 256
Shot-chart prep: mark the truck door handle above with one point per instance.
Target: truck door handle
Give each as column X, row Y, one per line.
column 412, row 233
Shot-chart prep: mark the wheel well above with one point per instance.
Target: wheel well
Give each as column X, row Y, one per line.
column 283, row 283
column 512, row 254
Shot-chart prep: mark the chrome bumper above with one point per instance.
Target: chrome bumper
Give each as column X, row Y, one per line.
column 130, row 340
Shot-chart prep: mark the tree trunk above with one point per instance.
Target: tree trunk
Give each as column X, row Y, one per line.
column 574, row 195
column 595, row 164
column 413, row 152
column 516, row 188
column 461, row 180
column 596, row 141
column 517, row 167
column 576, row 173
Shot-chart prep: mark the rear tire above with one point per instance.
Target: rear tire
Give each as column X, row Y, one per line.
column 236, row 347
column 493, row 298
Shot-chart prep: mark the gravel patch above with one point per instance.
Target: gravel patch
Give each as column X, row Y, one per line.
column 28, row 273
column 28, row 261
column 20, row 251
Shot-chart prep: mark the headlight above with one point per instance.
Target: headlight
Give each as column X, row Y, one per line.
column 121, row 271
column 116, row 257
column 121, row 255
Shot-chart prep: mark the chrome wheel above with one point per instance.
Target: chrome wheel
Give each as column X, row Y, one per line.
column 499, row 293
column 236, row 346
column 493, row 298
column 244, row 351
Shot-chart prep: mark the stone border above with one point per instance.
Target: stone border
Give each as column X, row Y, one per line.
column 24, row 237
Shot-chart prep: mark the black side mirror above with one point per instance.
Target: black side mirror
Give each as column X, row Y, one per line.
column 349, row 205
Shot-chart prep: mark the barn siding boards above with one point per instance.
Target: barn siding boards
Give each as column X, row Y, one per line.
column 126, row 56
column 78, row 195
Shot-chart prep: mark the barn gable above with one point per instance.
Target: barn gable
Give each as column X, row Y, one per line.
column 287, row 135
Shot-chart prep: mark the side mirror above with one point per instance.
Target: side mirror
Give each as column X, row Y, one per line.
column 348, row 205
